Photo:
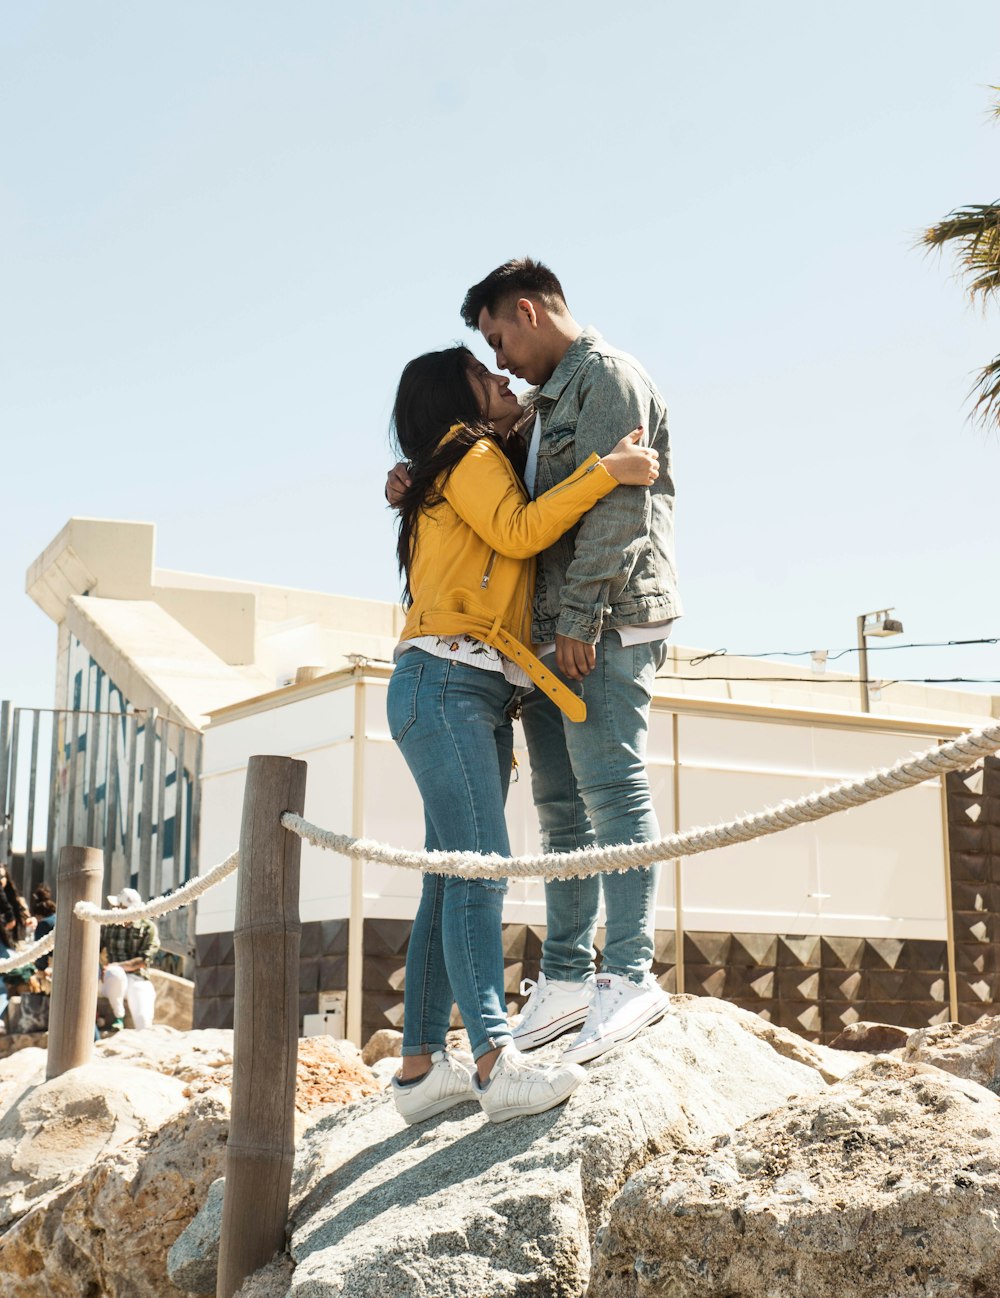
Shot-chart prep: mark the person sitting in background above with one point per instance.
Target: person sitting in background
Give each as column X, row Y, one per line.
column 129, row 948
column 14, row 918
column 43, row 909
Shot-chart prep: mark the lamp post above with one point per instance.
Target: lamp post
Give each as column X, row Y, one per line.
column 881, row 625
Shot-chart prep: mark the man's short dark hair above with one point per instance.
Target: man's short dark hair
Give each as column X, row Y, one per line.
column 522, row 277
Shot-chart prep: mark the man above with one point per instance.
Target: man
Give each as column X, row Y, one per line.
column 129, row 948
column 605, row 598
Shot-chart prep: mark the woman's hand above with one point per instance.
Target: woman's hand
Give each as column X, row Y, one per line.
column 631, row 464
column 396, row 483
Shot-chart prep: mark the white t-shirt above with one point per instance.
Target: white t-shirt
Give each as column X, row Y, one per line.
column 466, row 649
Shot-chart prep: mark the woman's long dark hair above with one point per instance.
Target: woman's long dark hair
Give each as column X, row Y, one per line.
column 435, row 392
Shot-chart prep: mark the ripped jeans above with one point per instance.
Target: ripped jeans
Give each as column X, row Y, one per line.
column 451, row 725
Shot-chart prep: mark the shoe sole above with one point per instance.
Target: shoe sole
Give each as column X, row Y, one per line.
column 551, row 1031
column 526, row 1111
column 432, row 1110
column 589, row 1050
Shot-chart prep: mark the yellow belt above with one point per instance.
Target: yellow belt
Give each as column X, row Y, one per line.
column 493, row 634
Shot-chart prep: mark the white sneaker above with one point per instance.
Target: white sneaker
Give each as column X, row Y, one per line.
column 448, row 1082
column 517, row 1087
column 552, row 1009
column 620, row 1010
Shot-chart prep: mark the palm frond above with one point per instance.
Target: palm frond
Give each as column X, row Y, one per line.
column 976, row 230
column 986, row 408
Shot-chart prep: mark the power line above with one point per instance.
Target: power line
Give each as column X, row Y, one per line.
column 843, row 680
column 872, row 648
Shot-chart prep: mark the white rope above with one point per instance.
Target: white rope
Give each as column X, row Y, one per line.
column 184, row 896
column 28, row 954
column 958, row 755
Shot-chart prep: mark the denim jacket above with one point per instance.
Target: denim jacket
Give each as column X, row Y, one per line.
column 616, row 566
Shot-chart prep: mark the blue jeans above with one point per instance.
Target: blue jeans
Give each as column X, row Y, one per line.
column 590, row 786
column 451, row 724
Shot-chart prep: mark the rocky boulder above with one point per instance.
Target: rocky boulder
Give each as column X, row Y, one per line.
column 875, row 1038
column 972, row 1051
column 54, row 1131
column 329, row 1071
column 886, row 1184
column 174, row 1000
column 108, row 1232
column 101, row 1169
column 386, row 1043
column 456, row 1206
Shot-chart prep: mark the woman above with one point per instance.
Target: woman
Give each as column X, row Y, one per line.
column 14, row 918
column 467, row 537
column 43, row 907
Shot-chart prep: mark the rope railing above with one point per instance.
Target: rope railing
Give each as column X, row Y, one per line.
column 183, row 896
column 28, row 954
column 957, row 755
column 583, row 862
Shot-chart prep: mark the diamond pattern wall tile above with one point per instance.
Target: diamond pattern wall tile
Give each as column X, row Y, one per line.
column 842, row 952
column 802, row 952
column 308, row 975
column 665, row 947
column 333, row 973
column 754, row 950
column 883, row 952
column 707, row 948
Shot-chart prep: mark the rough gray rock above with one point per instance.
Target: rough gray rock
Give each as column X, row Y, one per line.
column 193, row 1260
column 383, row 1044
column 202, row 1055
column 830, row 1064
column 459, row 1207
column 107, row 1232
column 271, row 1281
column 53, row 1131
column 971, row 1051
column 885, row 1186
column 875, row 1038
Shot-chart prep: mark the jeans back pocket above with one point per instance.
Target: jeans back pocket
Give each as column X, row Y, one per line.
column 401, row 697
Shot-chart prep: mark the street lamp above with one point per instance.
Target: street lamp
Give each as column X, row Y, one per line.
column 881, row 624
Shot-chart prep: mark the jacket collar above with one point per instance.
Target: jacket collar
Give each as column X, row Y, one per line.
column 578, row 351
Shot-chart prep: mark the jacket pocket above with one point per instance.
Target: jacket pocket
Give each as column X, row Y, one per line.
column 556, row 458
column 557, row 441
column 401, row 699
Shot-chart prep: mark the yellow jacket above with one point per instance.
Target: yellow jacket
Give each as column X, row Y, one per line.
column 473, row 567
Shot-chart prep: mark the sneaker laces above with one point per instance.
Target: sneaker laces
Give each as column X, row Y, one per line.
column 522, row 1067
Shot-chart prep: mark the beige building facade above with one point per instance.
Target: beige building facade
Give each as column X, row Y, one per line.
column 883, row 912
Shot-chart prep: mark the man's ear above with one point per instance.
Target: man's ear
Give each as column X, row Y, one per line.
column 525, row 308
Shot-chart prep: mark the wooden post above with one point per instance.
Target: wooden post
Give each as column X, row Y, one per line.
column 679, row 968
column 949, row 898
column 261, row 1146
column 75, row 962
column 356, row 928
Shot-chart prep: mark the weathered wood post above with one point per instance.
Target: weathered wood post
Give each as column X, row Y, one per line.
column 75, row 962
column 261, row 1146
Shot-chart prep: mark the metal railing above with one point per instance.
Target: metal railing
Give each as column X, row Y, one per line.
column 125, row 782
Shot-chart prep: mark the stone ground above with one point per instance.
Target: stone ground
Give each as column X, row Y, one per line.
column 716, row 1156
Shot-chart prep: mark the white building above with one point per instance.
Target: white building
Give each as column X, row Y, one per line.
column 883, row 912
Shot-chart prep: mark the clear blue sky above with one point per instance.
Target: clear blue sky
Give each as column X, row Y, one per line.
column 227, row 226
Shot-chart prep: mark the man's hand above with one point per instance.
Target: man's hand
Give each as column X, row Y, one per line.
column 575, row 658
column 396, row 483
